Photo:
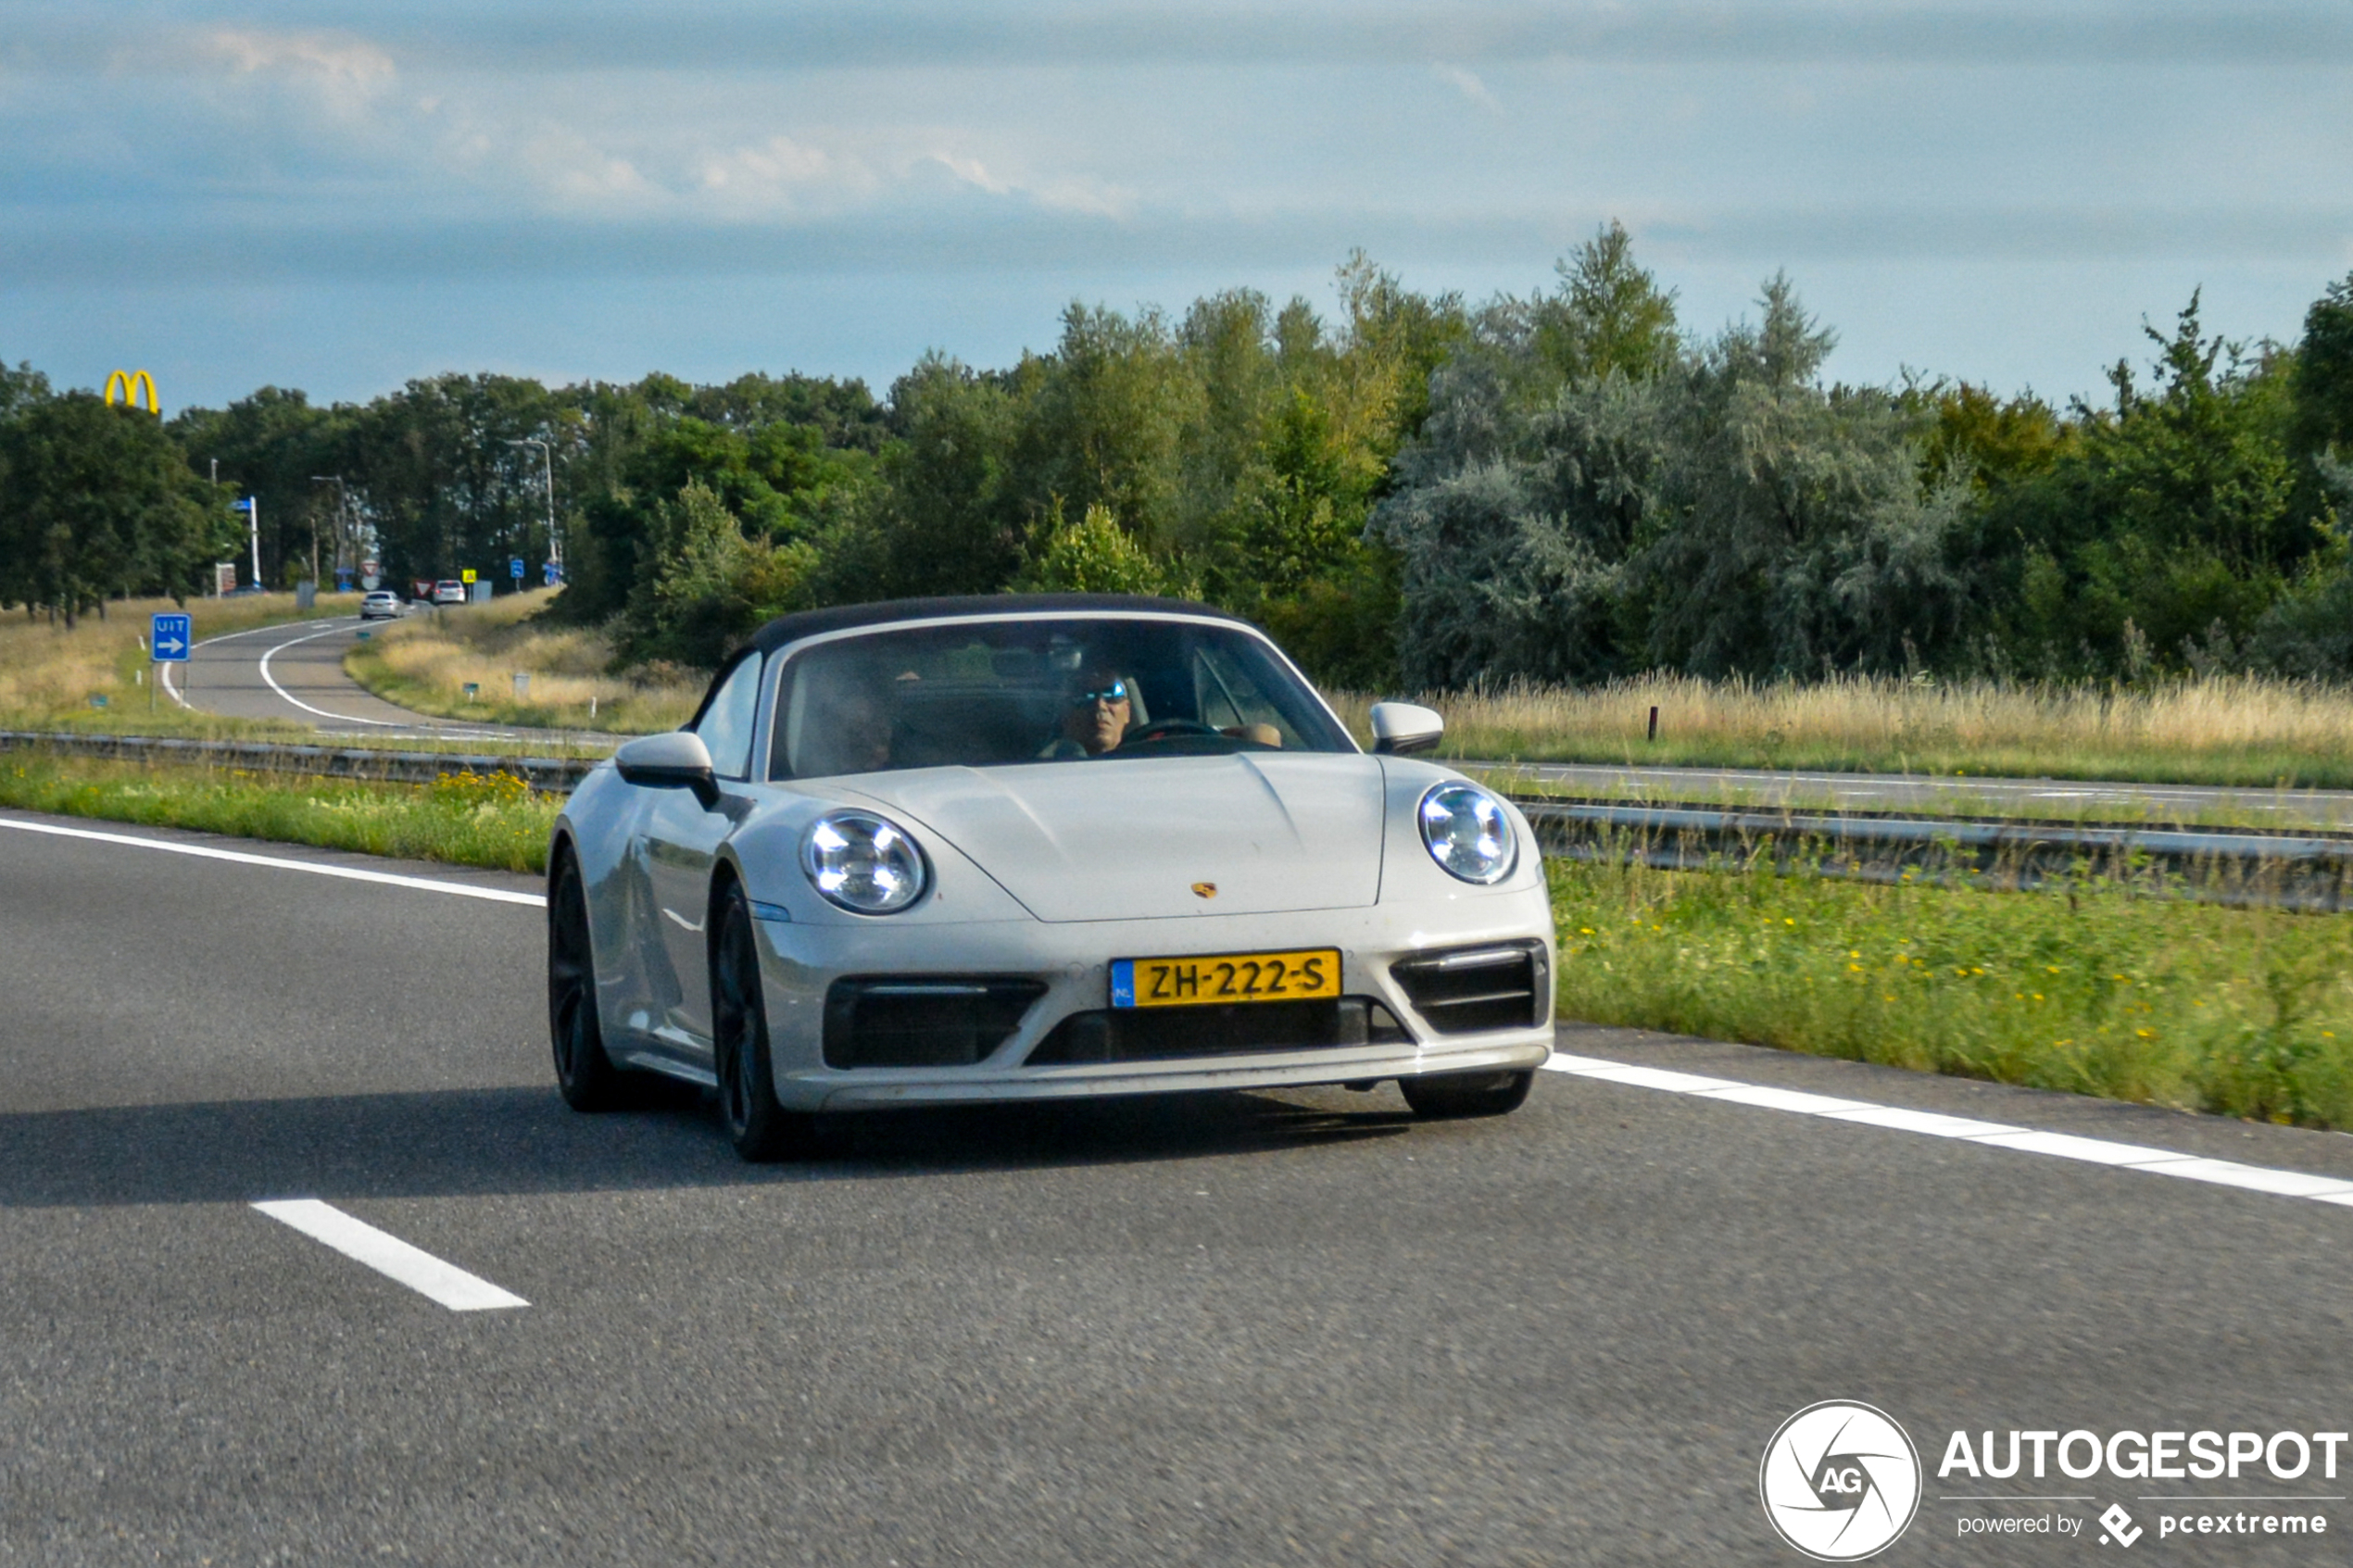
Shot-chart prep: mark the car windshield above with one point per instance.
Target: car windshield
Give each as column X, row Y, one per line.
column 991, row 693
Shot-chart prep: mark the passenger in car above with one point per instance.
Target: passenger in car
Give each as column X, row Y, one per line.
column 850, row 723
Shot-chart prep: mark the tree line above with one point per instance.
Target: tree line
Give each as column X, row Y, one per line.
column 1415, row 491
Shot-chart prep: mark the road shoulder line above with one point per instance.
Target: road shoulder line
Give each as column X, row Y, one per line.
column 1993, row 1134
column 391, row 1256
column 275, row 862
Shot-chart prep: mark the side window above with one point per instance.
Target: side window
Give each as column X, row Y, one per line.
column 726, row 723
column 1233, row 697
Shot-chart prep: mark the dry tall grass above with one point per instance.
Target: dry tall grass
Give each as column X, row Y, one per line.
column 2241, row 730
column 49, row 675
column 425, row 661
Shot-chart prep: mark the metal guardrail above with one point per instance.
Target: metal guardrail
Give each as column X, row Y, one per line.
column 552, row 775
column 2281, row 867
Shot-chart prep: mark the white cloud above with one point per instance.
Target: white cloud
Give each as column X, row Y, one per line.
column 971, row 171
column 352, row 61
column 1463, row 80
column 1085, row 195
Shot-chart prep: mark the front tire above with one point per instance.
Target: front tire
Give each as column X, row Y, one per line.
column 584, row 1075
column 759, row 1127
column 1451, row 1096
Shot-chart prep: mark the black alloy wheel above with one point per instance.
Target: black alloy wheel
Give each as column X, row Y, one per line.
column 1448, row 1096
column 584, row 1075
column 759, row 1127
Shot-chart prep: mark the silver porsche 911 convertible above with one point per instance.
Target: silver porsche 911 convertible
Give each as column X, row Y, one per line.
column 1028, row 847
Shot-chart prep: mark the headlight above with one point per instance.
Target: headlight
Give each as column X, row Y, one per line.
column 863, row 863
column 1466, row 832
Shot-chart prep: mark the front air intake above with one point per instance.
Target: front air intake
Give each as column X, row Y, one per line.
column 922, row 1021
column 1174, row 1034
column 1502, row 986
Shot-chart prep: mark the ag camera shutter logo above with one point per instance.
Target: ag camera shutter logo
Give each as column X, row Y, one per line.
column 1840, row 1481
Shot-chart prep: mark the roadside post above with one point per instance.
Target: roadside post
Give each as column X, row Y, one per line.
column 168, row 639
column 252, row 508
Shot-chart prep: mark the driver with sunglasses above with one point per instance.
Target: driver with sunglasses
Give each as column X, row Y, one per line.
column 1096, row 716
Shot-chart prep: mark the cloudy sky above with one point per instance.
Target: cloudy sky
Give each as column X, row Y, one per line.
column 339, row 195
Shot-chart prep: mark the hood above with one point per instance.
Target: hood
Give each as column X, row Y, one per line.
column 1127, row 840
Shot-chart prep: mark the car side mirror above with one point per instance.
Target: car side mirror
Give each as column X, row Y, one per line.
column 1404, row 729
column 677, row 760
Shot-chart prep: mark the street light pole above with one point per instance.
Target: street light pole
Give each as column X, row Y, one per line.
column 548, row 468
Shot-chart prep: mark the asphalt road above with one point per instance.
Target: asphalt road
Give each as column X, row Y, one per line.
column 295, row 672
column 1255, row 1329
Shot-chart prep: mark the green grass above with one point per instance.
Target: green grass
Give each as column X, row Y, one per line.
column 468, row 819
column 2092, row 989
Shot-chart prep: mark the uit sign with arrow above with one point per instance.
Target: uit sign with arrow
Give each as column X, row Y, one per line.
column 168, row 639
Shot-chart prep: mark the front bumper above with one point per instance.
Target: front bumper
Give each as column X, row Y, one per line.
column 1072, row 962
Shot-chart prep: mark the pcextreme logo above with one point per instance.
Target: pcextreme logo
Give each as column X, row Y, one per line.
column 128, row 385
column 1840, row 1481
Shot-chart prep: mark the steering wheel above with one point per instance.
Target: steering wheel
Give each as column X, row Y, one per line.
column 1162, row 729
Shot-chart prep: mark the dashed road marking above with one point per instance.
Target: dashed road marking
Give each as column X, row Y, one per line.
column 390, row 1256
column 1993, row 1134
column 238, row 857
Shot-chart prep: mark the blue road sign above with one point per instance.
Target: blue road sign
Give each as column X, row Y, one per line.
column 243, row 505
column 551, row 571
column 169, row 639
column 514, row 568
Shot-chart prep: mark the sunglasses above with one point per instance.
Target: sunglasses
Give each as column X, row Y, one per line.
column 1116, row 692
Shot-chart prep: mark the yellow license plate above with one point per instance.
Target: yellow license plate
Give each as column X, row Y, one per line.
column 1309, row 974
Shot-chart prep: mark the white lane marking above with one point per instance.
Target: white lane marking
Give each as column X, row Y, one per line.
column 1993, row 1134
column 238, row 857
column 174, row 692
column 422, row 726
column 390, row 1256
column 339, row 718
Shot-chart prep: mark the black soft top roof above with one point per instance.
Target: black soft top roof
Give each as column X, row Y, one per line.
column 809, row 622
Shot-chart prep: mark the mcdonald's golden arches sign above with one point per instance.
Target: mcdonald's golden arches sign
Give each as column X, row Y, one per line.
column 129, row 385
